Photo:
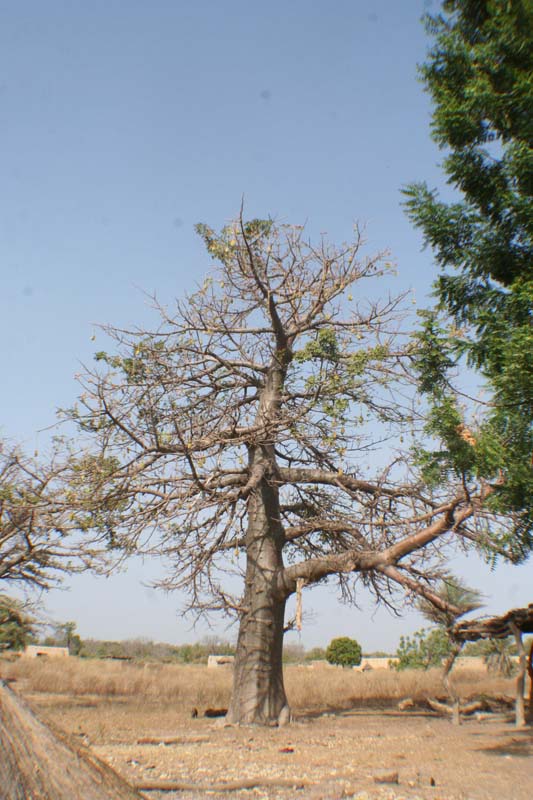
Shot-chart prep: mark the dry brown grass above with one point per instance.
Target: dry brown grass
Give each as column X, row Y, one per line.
column 318, row 688
column 321, row 688
column 192, row 685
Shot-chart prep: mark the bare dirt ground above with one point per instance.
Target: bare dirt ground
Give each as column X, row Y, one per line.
column 317, row 757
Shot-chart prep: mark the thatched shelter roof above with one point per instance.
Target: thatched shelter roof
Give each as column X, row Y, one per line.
column 495, row 627
column 38, row 762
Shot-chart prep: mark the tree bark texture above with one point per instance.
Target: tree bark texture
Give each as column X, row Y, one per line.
column 258, row 692
column 37, row 763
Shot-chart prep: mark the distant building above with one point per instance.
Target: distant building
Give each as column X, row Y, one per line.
column 220, row 661
column 43, row 651
column 370, row 663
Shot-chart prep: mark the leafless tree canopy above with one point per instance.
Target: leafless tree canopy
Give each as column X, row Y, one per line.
column 276, row 380
column 259, row 430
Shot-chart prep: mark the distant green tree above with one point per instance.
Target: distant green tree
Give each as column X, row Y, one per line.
column 198, row 653
column 71, row 638
column 65, row 635
column 479, row 76
column 17, row 626
column 216, row 646
column 344, row 652
column 316, row 654
column 423, row 650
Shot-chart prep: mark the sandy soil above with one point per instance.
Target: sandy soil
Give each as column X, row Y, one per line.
column 326, row 756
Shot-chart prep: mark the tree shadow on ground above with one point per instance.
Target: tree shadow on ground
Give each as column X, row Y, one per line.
column 515, row 743
column 377, row 708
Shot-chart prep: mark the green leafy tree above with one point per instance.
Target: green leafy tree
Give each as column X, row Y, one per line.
column 479, row 76
column 65, row 636
column 344, row 652
column 234, row 438
column 423, row 650
column 17, row 625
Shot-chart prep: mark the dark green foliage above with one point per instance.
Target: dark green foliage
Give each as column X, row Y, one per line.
column 480, row 76
column 496, row 447
column 344, row 652
column 423, row 650
column 432, row 356
column 17, row 627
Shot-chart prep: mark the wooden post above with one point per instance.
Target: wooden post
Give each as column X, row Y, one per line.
column 452, row 693
column 530, row 673
column 520, row 717
column 36, row 762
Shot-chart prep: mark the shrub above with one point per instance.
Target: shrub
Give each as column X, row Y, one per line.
column 425, row 649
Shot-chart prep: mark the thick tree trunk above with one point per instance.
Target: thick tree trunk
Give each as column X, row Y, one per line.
column 258, row 692
column 36, row 762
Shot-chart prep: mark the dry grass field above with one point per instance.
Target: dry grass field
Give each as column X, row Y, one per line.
column 309, row 688
column 347, row 728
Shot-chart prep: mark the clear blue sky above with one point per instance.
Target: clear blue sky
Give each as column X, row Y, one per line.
column 125, row 123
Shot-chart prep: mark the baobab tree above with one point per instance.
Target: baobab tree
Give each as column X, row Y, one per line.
column 258, row 431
